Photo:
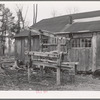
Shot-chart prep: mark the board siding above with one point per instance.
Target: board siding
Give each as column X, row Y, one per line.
column 98, row 51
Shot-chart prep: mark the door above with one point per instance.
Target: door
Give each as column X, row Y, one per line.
column 81, row 52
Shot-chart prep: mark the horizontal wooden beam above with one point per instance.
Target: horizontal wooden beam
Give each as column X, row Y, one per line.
column 54, row 44
column 54, row 64
column 42, row 54
column 52, row 54
column 46, row 33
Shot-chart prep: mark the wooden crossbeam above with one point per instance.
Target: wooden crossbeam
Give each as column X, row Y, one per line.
column 64, row 64
column 54, row 64
column 54, row 44
column 46, row 33
column 42, row 54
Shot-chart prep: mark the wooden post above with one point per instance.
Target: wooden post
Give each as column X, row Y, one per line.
column 15, row 49
column 40, row 39
column 30, row 61
column 41, row 68
column 58, row 63
column 29, row 73
column 94, row 49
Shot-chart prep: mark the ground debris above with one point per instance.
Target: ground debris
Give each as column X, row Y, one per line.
column 19, row 81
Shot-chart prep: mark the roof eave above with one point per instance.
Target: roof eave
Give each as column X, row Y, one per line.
column 63, row 33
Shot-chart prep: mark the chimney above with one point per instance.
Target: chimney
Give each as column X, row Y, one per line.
column 70, row 19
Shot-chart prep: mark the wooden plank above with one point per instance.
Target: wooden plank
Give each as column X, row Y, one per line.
column 38, row 63
column 51, row 54
column 52, row 44
column 87, row 53
column 40, row 39
column 71, row 63
column 55, row 62
column 22, row 50
column 45, row 60
column 90, row 59
column 82, row 35
column 32, row 46
column 15, row 49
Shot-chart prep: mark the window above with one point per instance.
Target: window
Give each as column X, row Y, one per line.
column 45, row 41
column 81, row 42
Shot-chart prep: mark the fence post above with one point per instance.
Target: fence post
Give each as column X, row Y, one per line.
column 41, row 49
column 30, row 61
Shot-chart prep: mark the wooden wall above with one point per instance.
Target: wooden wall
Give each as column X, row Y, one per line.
column 83, row 55
column 21, row 47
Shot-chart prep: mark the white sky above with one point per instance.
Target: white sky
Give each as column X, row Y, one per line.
column 45, row 8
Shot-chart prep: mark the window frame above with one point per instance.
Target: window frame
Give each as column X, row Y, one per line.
column 84, row 42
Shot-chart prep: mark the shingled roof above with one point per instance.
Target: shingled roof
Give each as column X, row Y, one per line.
column 61, row 24
column 25, row 33
column 84, row 27
column 57, row 24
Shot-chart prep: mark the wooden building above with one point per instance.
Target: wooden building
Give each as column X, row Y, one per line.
column 84, row 33
column 21, row 43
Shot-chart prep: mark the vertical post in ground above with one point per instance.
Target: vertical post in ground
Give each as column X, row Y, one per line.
column 58, row 76
column 30, row 61
column 40, row 39
column 58, row 63
column 41, row 68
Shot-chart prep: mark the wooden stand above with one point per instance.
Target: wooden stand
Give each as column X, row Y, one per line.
column 49, row 62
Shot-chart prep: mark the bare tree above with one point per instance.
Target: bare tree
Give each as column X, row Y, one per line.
column 7, row 21
column 54, row 13
column 69, row 11
column 21, row 19
column 72, row 10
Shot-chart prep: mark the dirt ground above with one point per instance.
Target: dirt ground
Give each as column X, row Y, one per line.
column 16, row 81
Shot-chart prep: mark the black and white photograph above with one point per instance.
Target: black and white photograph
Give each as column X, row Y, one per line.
column 50, row 46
